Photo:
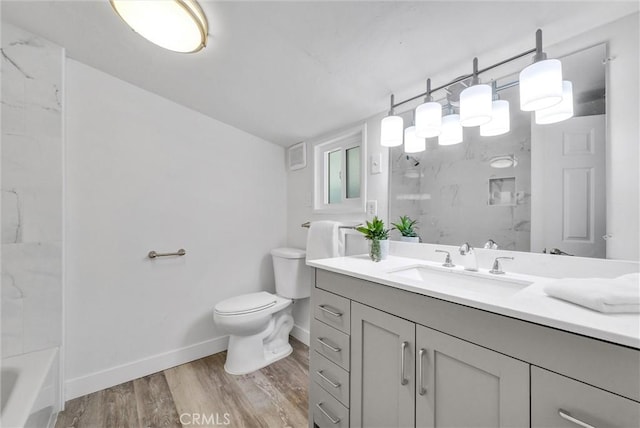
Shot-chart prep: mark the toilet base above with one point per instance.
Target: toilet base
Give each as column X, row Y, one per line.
column 251, row 366
column 246, row 354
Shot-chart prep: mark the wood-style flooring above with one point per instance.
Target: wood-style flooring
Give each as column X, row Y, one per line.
column 201, row 394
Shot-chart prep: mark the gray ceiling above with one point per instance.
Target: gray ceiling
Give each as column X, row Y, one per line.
column 288, row 71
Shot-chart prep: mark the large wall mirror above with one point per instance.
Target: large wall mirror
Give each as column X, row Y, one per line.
column 537, row 188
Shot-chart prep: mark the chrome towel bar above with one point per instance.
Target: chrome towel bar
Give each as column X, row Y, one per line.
column 308, row 224
column 154, row 254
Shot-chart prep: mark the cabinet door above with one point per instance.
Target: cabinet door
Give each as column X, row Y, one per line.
column 382, row 369
column 460, row 384
column 557, row 401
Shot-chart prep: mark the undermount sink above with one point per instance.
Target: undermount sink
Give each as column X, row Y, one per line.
column 474, row 282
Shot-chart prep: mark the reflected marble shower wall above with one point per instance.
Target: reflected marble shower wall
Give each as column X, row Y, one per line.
column 458, row 197
column 32, row 79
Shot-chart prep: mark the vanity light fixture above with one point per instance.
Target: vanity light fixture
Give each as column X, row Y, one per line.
column 451, row 129
column 540, row 82
column 413, row 143
column 391, row 129
column 428, row 116
column 503, row 161
column 558, row 112
column 500, row 118
column 176, row 25
column 475, row 101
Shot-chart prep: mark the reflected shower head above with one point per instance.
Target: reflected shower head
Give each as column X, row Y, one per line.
column 415, row 161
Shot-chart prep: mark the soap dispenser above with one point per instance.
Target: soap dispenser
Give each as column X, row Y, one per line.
column 469, row 260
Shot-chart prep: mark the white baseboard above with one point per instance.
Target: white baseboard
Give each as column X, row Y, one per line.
column 97, row 381
column 301, row 334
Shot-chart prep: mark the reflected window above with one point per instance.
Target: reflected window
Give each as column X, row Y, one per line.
column 339, row 172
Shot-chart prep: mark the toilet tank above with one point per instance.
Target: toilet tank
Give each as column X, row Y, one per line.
column 293, row 276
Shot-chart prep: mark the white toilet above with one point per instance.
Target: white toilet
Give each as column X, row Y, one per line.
column 259, row 323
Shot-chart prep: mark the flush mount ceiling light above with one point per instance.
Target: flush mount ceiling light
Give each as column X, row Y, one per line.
column 503, row 161
column 541, row 82
column 558, row 112
column 176, row 25
column 475, row 101
column 391, row 129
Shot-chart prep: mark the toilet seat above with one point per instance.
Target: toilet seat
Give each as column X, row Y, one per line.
column 247, row 304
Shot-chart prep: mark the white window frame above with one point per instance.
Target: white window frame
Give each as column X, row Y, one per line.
column 352, row 137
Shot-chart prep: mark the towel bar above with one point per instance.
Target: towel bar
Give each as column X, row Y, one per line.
column 154, row 254
column 308, row 224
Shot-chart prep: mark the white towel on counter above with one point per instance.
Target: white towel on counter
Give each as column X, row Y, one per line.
column 323, row 240
column 608, row 295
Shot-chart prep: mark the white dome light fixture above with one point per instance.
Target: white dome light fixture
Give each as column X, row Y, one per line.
column 451, row 130
column 475, row 102
column 391, row 129
column 503, row 161
column 176, row 25
column 540, row 82
column 413, row 143
column 500, row 116
column 428, row 116
column 558, row 112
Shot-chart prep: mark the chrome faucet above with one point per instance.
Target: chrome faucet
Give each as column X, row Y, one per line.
column 491, row 245
column 497, row 269
column 469, row 257
column 447, row 260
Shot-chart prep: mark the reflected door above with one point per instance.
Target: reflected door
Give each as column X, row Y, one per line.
column 568, row 187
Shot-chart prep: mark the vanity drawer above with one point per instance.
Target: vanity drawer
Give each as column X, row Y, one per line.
column 556, row 399
column 332, row 378
column 331, row 343
column 326, row 410
column 332, row 309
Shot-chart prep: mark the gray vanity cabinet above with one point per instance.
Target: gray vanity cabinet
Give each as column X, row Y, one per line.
column 558, row 402
column 382, row 372
column 385, row 357
column 460, row 384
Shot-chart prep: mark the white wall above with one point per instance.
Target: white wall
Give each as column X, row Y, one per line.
column 144, row 173
column 300, row 202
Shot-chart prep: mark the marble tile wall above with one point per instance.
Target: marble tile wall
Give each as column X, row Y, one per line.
column 31, row 102
column 448, row 191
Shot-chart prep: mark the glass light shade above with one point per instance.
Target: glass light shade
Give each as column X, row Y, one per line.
column 391, row 128
column 505, row 161
column 558, row 112
column 413, row 143
column 428, row 119
column 541, row 85
column 500, row 120
column 176, row 25
column 475, row 105
column 451, row 130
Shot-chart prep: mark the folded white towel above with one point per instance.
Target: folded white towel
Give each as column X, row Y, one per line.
column 323, row 240
column 610, row 295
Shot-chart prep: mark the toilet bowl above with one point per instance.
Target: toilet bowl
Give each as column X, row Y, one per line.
column 259, row 323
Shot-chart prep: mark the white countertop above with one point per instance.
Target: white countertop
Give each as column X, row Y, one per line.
column 529, row 304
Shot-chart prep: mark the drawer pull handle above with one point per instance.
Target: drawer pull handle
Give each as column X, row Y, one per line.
column 326, row 379
column 566, row 415
column 327, row 414
column 323, row 343
column 423, row 389
column 329, row 311
column 403, row 379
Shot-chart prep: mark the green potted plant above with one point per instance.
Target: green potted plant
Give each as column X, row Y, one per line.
column 378, row 239
column 407, row 228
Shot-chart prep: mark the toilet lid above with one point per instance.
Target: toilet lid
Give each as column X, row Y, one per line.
column 246, row 303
